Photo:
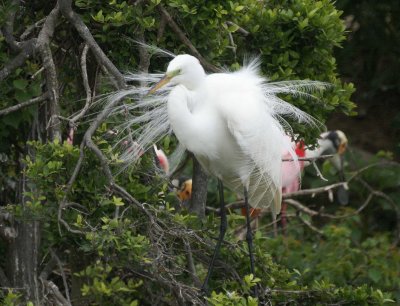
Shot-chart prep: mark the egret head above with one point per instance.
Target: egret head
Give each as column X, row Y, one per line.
column 183, row 70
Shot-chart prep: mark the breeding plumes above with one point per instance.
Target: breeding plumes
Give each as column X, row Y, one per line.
column 232, row 122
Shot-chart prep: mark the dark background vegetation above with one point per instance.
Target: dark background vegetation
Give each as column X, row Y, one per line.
column 73, row 233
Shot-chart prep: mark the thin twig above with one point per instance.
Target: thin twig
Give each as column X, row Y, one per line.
column 27, row 51
column 313, row 191
column 240, row 29
column 181, row 35
column 64, row 278
column 310, row 226
column 310, row 159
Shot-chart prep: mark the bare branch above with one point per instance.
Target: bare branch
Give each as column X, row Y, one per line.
column 26, row 52
column 60, row 299
column 190, row 263
column 301, row 207
column 85, row 85
column 64, row 278
column 84, row 32
column 313, row 191
column 48, row 269
column 310, row 159
column 31, row 28
column 310, row 226
column 82, row 112
column 161, row 28
column 240, row 29
column 43, row 46
column 185, row 40
column 17, row 107
column 8, row 28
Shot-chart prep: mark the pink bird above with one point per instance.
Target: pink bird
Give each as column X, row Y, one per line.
column 331, row 142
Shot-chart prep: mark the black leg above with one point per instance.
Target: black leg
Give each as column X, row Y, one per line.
column 249, row 238
column 222, row 231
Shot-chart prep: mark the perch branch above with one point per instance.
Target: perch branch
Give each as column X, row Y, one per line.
column 313, row 191
column 310, row 159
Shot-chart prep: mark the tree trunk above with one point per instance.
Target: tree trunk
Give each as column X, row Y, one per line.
column 199, row 192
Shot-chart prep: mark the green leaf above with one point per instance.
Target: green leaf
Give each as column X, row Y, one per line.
column 20, row 84
column 375, row 274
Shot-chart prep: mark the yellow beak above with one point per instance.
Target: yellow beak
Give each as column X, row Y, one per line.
column 165, row 80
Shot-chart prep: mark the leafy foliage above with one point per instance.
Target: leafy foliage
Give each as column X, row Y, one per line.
column 156, row 252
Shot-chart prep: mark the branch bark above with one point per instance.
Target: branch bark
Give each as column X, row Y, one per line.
column 26, row 52
column 199, row 193
column 181, row 35
column 43, row 46
column 17, row 107
column 84, row 32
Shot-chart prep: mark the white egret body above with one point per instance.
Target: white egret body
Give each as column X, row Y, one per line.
column 227, row 121
column 230, row 121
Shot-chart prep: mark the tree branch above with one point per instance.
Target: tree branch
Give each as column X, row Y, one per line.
column 43, row 46
column 17, row 107
column 199, row 192
column 164, row 13
column 240, row 29
column 313, row 191
column 84, row 32
column 8, row 28
column 26, row 52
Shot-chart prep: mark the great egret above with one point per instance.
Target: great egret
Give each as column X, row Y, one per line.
column 232, row 122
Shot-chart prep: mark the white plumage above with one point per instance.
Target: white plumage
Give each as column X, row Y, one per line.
column 232, row 122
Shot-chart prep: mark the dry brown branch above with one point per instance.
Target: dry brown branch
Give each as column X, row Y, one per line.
column 17, row 107
column 181, row 35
